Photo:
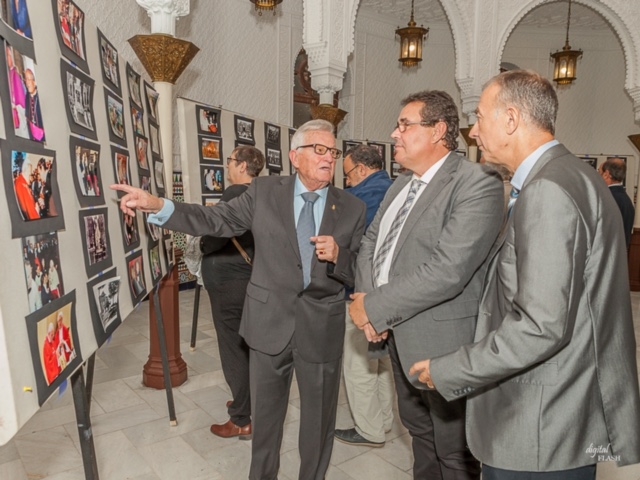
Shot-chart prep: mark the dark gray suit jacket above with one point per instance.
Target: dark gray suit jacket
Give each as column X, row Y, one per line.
column 276, row 304
column 431, row 300
column 553, row 375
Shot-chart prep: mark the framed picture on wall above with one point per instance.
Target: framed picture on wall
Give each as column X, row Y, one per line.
column 154, row 264
column 115, row 118
column 135, row 274
column 42, row 269
column 244, row 130
column 154, row 140
column 133, row 83
column 348, row 145
column 95, row 240
column 274, row 159
column 208, row 120
column 137, row 119
column 152, row 101
column 382, row 150
column 396, row 169
column 54, row 345
column 69, row 22
column 130, row 231
column 210, row 150
column 78, row 91
column 21, row 91
column 141, row 152
column 212, row 180
column 87, row 176
column 16, row 20
column 104, row 304
column 110, row 63
column 31, row 187
column 593, row 161
column 121, row 167
column 272, row 135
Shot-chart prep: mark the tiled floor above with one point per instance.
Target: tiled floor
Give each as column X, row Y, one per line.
column 134, row 440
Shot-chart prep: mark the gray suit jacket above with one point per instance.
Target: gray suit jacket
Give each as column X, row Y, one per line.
column 276, row 304
column 553, row 375
column 431, row 300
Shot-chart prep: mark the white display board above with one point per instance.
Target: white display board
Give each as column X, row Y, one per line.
column 61, row 231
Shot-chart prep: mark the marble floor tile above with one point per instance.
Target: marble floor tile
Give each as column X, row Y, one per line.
column 47, row 452
column 119, row 458
column 207, row 445
column 115, row 395
column 160, row 429
column 174, row 458
column 126, row 417
column 370, row 465
column 12, row 469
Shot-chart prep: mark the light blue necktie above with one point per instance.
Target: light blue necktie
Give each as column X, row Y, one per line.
column 513, row 196
column 396, row 226
column 306, row 229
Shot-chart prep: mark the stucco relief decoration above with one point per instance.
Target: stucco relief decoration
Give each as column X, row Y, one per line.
column 164, row 13
column 163, row 56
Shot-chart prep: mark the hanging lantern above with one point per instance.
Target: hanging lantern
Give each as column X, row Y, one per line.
column 266, row 5
column 566, row 60
column 411, row 38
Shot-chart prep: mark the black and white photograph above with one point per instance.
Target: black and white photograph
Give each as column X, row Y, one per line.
column 137, row 119
column 274, row 159
column 154, row 139
column 154, row 231
column 24, row 95
column 69, row 21
column 272, row 135
column 158, row 174
column 210, row 150
column 212, row 180
column 135, row 273
column 115, row 117
column 31, row 188
column 79, row 100
column 130, row 232
column 396, row 169
column 349, row 144
column 95, row 240
column 133, row 82
column 42, row 269
column 208, row 120
column 87, row 178
column 104, row 304
column 168, row 252
column 244, row 130
column 152, row 101
column 110, row 63
column 54, row 345
column 593, row 161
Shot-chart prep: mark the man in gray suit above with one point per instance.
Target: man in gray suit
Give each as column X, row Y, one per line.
column 552, row 380
column 293, row 317
column 420, row 271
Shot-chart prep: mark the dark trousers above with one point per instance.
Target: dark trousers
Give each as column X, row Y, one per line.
column 227, row 300
column 582, row 473
column 437, row 429
column 318, row 384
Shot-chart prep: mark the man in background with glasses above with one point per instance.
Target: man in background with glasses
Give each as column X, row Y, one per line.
column 367, row 367
column 307, row 234
column 420, row 271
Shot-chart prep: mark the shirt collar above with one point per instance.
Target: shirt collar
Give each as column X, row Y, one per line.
column 433, row 169
column 299, row 189
column 525, row 167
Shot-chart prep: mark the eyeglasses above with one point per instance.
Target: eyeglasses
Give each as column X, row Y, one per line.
column 402, row 126
column 230, row 159
column 320, row 149
column 346, row 174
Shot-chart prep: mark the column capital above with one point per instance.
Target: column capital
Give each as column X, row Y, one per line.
column 164, row 14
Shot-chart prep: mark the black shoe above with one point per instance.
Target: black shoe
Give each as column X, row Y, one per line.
column 351, row 437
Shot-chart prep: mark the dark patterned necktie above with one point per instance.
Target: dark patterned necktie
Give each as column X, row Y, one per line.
column 396, row 226
column 306, row 229
column 513, row 196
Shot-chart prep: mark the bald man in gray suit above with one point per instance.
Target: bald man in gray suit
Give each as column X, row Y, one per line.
column 552, row 381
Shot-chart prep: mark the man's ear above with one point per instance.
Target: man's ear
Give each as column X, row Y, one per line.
column 513, row 119
column 439, row 131
column 293, row 159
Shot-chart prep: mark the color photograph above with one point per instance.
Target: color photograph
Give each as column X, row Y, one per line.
column 152, row 101
column 133, row 82
column 141, row 152
column 121, row 167
column 208, row 120
column 154, row 138
column 131, row 235
column 212, row 180
column 115, row 116
column 16, row 15
column 109, row 62
column 87, row 170
column 71, row 26
column 33, row 185
column 42, row 269
column 137, row 119
column 210, row 150
column 135, row 271
column 154, row 262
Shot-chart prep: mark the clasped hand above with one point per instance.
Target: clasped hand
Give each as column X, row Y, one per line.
column 361, row 320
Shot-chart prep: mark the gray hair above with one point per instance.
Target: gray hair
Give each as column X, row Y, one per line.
column 310, row 126
column 532, row 94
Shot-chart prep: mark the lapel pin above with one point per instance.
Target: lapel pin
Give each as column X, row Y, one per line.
column 333, row 207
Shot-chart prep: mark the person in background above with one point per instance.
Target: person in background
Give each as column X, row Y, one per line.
column 366, row 366
column 225, row 273
column 614, row 171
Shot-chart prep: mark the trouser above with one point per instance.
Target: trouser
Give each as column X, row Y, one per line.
column 318, row 384
column 582, row 473
column 369, row 385
column 227, row 300
column 437, row 429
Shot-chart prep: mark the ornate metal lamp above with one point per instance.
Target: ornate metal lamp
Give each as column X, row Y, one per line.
column 266, row 5
column 411, row 38
column 566, row 60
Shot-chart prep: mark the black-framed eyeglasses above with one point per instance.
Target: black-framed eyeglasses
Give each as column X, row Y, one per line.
column 320, row 149
column 230, row 159
column 402, row 126
column 346, row 174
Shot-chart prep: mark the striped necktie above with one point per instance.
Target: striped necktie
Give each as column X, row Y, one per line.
column 306, row 229
column 396, row 226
